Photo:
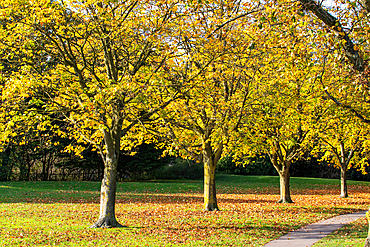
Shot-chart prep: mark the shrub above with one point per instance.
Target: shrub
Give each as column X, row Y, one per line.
column 180, row 169
column 252, row 166
column 143, row 164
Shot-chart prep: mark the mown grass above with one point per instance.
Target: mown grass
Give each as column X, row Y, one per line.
column 169, row 213
column 351, row 235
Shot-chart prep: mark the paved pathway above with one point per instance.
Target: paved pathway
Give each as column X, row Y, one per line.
column 308, row 235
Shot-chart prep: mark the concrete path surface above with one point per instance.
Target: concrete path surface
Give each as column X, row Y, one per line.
column 308, row 235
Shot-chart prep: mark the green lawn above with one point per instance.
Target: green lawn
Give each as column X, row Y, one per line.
column 169, row 213
column 353, row 234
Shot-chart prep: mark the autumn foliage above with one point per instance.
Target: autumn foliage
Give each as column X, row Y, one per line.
column 208, row 78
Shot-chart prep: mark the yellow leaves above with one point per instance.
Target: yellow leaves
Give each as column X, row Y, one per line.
column 77, row 150
column 100, row 62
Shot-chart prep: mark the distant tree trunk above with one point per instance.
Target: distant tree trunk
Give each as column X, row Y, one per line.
column 210, row 199
column 210, row 160
column 6, row 166
column 107, row 217
column 285, row 186
column 343, row 181
column 22, row 170
column 283, row 170
column 344, row 160
column 44, row 171
column 29, row 163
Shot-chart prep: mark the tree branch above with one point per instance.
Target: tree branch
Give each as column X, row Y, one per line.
column 233, row 19
column 353, row 55
column 348, row 107
column 365, row 4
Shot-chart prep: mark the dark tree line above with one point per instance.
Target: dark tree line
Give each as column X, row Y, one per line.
column 42, row 157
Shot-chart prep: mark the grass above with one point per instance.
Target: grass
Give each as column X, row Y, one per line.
column 351, row 235
column 169, row 213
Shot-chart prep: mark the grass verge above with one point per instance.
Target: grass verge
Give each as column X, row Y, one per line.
column 351, row 235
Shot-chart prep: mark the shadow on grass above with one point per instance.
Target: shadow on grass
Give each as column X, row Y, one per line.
column 134, row 198
column 183, row 199
column 24, row 195
column 161, row 191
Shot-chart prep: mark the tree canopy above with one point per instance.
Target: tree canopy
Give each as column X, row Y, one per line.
column 210, row 77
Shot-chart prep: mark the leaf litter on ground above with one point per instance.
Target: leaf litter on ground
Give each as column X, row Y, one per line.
column 156, row 215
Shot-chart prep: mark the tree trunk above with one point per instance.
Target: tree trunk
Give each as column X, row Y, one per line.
column 107, row 218
column 367, row 242
column 210, row 160
column 343, row 181
column 210, row 200
column 282, row 167
column 285, row 185
column 44, row 170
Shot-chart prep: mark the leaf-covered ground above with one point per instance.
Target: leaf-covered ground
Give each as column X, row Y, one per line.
column 169, row 213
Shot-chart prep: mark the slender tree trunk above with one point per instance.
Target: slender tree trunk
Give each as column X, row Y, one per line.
column 210, row 200
column 343, row 181
column 367, row 241
column 44, row 170
column 285, row 185
column 344, row 162
column 29, row 165
column 49, row 163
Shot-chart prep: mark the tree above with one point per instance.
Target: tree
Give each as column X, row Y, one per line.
column 279, row 126
column 341, row 141
column 93, row 63
column 346, row 85
column 286, row 93
column 355, row 47
column 352, row 36
column 216, row 67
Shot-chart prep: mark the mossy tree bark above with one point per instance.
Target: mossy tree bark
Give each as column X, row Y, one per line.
column 283, row 170
column 344, row 160
column 282, row 162
column 210, row 159
column 107, row 217
column 284, row 175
